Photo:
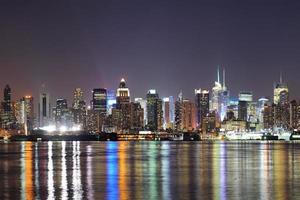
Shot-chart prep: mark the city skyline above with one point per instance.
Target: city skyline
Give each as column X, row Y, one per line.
column 189, row 94
column 169, row 46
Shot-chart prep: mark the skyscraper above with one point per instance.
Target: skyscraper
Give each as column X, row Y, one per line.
column 242, row 110
column 281, row 92
column 143, row 103
column 61, row 111
column 7, row 115
column 79, row 108
column 154, row 111
column 220, row 96
column 44, row 109
column 202, row 105
column 100, row 100
column 123, row 94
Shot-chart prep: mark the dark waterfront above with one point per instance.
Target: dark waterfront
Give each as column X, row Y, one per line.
column 149, row 170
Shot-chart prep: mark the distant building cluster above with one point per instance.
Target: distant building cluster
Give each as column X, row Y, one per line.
column 115, row 111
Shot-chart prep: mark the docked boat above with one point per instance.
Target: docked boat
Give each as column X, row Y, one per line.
column 237, row 135
column 295, row 135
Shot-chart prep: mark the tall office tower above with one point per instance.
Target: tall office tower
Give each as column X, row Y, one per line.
column 29, row 111
column 202, row 105
column 24, row 113
column 136, row 116
column 79, row 108
column 111, row 101
column 247, row 96
column 172, row 110
column 100, row 100
column 294, row 114
column 7, row 110
column 143, row 103
column 260, row 109
column 99, row 107
column 268, row 115
column 61, row 111
column 44, row 109
column 188, row 115
column 243, row 110
column 123, row 94
column 154, row 111
column 166, row 111
column 220, row 97
column 281, row 92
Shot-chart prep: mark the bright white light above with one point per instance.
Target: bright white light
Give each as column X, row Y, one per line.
column 63, row 129
column 50, row 128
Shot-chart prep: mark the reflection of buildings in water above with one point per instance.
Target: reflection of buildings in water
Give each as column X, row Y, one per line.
column 280, row 173
column 26, row 171
column 219, row 171
column 205, row 176
column 89, row 178
column 123, row 172
column 264, row 171
column 51, row 189
column 137, row 170
column 76, row 171
column 152, row 176
column 165, row 170
column 22, row 160
column 64, row 181
column 36, row 169
column 112, row 188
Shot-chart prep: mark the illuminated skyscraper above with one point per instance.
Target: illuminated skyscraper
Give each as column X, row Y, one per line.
column 61, row 111
column 202, row 105
column 243, row 110
column 7, row 115
column 168, row 112
column 44, row 109
column 123, row 94
column 79, row 108
column 220, row 97
column 143, row 103
column 281, row 92
column 111, row 101
column 154, row 111
column 100, row 100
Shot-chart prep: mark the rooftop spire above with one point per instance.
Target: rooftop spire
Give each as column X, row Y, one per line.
column 224, row 77
column 218, row 74
column 280, row 78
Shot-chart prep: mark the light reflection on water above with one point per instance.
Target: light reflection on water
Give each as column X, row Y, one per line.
column 149, row 170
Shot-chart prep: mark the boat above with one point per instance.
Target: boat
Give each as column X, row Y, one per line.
column 240, row 135
column 295, row 135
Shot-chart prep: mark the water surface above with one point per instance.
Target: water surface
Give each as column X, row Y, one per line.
column 149, row 170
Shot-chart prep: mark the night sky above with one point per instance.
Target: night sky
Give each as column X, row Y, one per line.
column 167, row 45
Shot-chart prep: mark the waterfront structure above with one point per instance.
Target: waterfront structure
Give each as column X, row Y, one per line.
column 202, row 105
column 154, row 111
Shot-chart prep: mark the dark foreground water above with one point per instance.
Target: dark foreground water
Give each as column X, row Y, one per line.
column 149, row 170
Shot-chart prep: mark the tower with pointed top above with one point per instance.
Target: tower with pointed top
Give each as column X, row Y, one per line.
column 281, row 92
column 123, row 94
column 220, row 96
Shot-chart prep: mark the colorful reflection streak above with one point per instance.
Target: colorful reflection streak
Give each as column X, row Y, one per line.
column 112, row 187
column 123, row 172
